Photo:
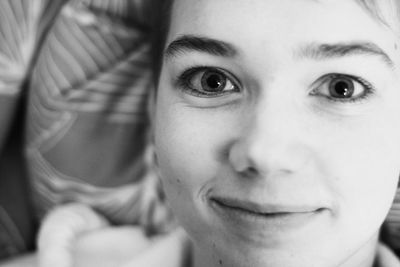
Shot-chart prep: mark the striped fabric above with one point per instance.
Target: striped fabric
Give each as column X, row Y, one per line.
column 392, row 225
column 86, row 125
column 19, row 33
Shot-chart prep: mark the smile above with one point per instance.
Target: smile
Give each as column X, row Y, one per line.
column 264, row 219
column 264, row 209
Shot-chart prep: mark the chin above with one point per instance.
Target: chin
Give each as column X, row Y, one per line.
column 236, row 255
column 277, row 259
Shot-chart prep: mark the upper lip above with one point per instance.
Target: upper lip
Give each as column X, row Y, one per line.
column 265, row 208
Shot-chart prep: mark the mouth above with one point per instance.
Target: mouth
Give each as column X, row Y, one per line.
column 264, row 209
column 247, row 216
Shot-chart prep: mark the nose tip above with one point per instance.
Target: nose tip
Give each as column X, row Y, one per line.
column 243, row 165
column 269, row 152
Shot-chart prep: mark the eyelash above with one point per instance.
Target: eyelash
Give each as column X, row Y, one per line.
column 368, row 88
column 183, row 82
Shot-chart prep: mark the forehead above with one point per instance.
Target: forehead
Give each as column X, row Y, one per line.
column 387, row 10
column 255, row 24
column 206, row 14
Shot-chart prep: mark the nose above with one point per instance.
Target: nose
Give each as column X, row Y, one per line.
column 274, row 140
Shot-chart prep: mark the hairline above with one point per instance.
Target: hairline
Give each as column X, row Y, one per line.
column 372, row 7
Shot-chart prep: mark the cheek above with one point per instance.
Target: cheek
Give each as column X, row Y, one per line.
column 188, row 146
column 183, row 148
column 364, row 166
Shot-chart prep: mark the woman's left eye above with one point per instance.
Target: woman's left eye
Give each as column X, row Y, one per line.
column 207, row 82
column 343, row 88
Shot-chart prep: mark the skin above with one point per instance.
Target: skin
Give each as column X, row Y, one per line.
column 324, row 172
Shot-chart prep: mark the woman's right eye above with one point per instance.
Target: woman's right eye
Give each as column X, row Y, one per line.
column 207, row 82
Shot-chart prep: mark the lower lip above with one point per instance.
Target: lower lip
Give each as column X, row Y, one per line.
column 264, row 224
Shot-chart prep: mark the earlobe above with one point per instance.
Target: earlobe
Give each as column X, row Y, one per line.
column 150, row 155
column 151, row 111
column 154, row 156
column 151, row 104
column 398, row 182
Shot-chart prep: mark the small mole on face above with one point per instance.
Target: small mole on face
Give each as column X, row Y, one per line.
column 220, row 262
column 178, row 181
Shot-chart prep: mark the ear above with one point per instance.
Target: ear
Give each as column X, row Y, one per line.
column 151, row 111
column 151, row 156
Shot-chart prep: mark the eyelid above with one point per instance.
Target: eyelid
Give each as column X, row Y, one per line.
column 182, row 83
column 369, row 87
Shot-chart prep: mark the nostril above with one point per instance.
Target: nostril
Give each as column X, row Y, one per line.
column 249, row 172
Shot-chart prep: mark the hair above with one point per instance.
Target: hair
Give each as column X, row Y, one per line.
column 161, row 19
column 389, row 15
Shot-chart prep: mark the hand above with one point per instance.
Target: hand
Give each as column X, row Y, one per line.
column 129, row 247
column 109, row 246
column 27, row 260
column 75, row 235
column 59, row 230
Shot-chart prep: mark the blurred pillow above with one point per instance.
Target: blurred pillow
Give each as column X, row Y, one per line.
column 86, row 119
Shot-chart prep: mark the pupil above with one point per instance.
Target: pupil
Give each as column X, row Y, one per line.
column 342, row 89
column 213, row 82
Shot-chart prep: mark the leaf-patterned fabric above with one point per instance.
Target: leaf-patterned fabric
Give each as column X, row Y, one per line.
column 86, row 121
column 80, row 71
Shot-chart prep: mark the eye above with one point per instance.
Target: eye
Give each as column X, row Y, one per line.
column 207, row 82
column 345, row 88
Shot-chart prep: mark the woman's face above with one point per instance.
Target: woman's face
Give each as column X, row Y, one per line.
column 277, row 130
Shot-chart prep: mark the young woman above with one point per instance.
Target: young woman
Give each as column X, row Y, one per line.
column 276, row 129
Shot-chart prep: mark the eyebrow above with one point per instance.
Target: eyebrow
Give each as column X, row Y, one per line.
column 339, row 50
column 187, row 43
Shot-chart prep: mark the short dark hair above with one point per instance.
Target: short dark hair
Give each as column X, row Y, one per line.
column 161, row 18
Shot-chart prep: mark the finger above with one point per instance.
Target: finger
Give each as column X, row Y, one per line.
column 111, row 246
column 59, row 231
